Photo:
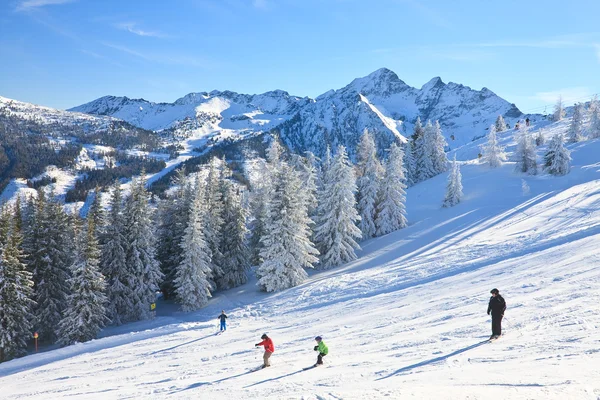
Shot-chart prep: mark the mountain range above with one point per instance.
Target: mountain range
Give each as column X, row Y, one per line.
column 181, row 131
column 380, row 102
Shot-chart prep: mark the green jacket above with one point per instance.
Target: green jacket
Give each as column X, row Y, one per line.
column 323, row 348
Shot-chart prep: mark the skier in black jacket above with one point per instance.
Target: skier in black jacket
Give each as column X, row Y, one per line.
column 497, row 306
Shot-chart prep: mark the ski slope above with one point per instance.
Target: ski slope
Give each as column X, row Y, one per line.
column 406, row 320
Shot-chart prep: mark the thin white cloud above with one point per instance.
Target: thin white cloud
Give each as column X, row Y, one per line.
column 28, row 5
column 132, row 28
column 168, row 59
column 569, row 95
column 262, row 4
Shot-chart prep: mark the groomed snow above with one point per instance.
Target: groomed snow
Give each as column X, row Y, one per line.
column 405, row 320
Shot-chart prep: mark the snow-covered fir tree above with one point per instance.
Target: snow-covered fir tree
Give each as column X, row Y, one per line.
column 287, row 248
column 539, row 138
column 438, row 149
column 308, row 169
column 576, row 126
column 113, row 261
column 143, row 272
column 423, row 151
column 173, row 216
column 454, row 187
column 336, row 231
column 500, row 124
column 369, row 172
column 262, row 192
column 525, row 155
column 235, row 261
column 594, row 130
column 16, row 288
column 213, row 224
column 493, row 152
column 391, row 212
column 96, row 212
column 86, row 311
column 558, row 158
column 409, row 163
column 50, row 261
column 559, row 110
column 194, row 273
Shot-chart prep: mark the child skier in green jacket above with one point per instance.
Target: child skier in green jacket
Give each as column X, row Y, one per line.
column 322, row 349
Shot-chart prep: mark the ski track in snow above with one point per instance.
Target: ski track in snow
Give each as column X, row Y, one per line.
column 405, row 320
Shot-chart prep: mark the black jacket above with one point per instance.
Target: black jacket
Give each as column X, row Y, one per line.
column 497, row 305
column 222, row 317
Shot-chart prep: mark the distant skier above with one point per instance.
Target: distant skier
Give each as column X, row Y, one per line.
column 517, row 126
column 269, row 349
column 322, row 349
column 223, row 317
column 527, row 122
column 497, row 306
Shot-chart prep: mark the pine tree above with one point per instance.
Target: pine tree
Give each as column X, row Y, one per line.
column 192, row 280
column 262, row 194
column 493, row 152
column 259, row 202
column 307, row 167
column 50, row 262
column 85, row 315
column 438, row 149
column 213, row 224
column 525, row 154
column 391, row 213
column 143, row 274
column 336, row 231
column 233, row 247
column 558, row 157
column 454, row 187
column 424, row 153
column 96, row 212
column 369, row 175
column 173, row 217
column 539, row 138
column 575, row 128
column 287, row 248
column 559, row 110
column 113, row 261
column 594, row 131
column 410, row 163
column 500, row 124
column 16, row 289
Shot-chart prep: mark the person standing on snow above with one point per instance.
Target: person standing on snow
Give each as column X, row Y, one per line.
column 269, row 349
column 223, row 317
column 322, row 349
column 496, row 307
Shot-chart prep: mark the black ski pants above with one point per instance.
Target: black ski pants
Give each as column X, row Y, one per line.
column 497, row 324
column 320, row 358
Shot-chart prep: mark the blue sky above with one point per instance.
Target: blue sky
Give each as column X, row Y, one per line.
column 63, row 53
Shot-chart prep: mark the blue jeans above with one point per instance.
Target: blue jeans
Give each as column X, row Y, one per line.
column 223, row 326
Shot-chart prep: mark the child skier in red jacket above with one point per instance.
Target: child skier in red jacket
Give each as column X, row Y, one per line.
column 269, row 349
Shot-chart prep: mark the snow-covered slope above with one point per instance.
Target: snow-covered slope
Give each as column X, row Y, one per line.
column 380, row 102
column 50, row 117
column 405, row 320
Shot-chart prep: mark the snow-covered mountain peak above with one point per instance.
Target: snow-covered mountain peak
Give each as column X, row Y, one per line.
column 382, row 82
column 433, row 84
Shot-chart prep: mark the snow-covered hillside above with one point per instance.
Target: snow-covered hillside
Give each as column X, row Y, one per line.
column 405, row 320
column 47, row 116
column 380, row 102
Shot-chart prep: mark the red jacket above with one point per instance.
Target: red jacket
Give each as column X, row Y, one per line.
column 268, row 343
